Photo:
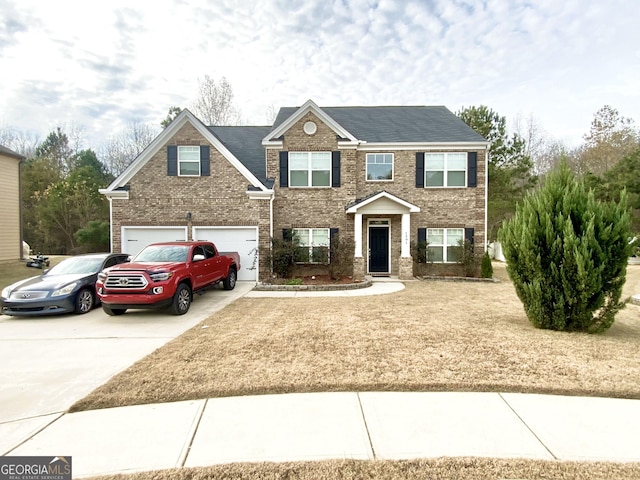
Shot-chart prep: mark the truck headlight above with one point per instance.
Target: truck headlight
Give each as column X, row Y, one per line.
column 161, row 276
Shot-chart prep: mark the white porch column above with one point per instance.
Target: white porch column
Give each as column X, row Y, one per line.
column 357, row 232
column 405, row 250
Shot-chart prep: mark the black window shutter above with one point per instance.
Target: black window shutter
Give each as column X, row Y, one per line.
column 422, row 235
column 335, row 169
column 469, row 235
column 284, row 169
column 287, row 234
column 172, row 160
column 472, row 169
column 333, row 235
column 420, row 170
column 205, row 163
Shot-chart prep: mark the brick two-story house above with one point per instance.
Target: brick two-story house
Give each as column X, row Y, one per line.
column 383, row 177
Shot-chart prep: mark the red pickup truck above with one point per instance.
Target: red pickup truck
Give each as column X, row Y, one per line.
column 165, row 275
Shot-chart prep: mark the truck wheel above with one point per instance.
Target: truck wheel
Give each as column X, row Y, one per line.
column 84, row 301
column 181, row 300
column 113, row 311
column 229, row 283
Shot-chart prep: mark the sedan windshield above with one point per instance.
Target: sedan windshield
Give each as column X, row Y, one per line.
column 77, row 265
column 163, row 253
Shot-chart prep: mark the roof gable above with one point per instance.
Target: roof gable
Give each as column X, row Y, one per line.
column 385, row 197
column 182, row 119
column 295, row 114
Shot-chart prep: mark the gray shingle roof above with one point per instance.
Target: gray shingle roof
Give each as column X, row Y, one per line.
column 397, row 124
column 246, row 145
column 370, row 124
column 10, row 153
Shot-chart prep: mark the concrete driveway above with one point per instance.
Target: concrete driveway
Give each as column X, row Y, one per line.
column 48, row 363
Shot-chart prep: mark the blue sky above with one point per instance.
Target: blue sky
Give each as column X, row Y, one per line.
column 103, row 64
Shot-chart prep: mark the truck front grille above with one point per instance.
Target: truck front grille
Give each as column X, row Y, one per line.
column 126, row 281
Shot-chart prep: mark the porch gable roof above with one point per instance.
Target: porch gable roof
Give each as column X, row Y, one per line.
column 357, row 204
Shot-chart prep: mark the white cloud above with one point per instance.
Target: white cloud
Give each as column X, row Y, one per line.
column 103, row 65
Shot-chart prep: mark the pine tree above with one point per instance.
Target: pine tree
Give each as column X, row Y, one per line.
column 567, row 255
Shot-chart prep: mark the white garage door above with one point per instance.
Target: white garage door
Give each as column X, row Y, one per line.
column 135, row 239
column 243, row 240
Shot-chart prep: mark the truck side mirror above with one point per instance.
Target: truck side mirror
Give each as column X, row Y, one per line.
column 198, row 257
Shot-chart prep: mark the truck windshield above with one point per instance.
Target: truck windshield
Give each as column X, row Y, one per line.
column 163, row 253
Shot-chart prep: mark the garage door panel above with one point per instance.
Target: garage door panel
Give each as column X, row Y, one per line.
column 242, row 240
column 135, row 239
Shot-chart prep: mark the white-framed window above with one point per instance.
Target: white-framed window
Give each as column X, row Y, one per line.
column 313, row 245
column 443, row 244
column 309, row 169
column 379, row 167
column 189, row 161
column 445, row 169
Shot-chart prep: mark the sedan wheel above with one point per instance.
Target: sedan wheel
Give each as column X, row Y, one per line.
column 84, row 301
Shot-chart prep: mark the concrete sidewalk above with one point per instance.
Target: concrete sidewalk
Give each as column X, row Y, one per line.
column 316, row 426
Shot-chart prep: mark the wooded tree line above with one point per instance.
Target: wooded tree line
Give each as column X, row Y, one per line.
column 608, row 160
column 62, row 210
column 63, row 213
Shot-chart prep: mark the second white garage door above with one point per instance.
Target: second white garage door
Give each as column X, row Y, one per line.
column 243, row 240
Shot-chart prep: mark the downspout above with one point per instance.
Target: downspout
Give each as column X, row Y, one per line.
column 110, row 224
column 486, row 198
column 273, row 197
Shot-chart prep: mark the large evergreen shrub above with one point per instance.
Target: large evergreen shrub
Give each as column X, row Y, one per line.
column 567, row 255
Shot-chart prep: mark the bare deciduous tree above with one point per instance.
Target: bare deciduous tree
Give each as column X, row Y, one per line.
column 611, row 138
column 122, row 148
column 19, row 141
column 214, row 105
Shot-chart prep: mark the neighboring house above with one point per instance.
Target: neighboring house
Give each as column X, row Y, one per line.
column 11, row 232
column 384, row 177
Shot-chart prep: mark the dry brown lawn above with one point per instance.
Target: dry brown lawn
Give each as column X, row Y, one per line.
column 434, row 335
column 441, row 468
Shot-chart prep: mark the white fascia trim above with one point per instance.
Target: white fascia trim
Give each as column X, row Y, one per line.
column 120, row 194
column 262, row 195
column 308, row 106
column 183, row 118
column 412, row 208
column 423, row 146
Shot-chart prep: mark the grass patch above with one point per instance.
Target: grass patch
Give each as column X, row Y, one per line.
column 432, row 336
column 439, row 468
column 15, row 270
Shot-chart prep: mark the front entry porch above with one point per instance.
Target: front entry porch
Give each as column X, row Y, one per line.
column 382, row 234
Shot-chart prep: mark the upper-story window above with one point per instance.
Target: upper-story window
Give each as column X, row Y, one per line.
column 189, row 161
column 445, row 169
column 309, row 169
column 379, row 166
